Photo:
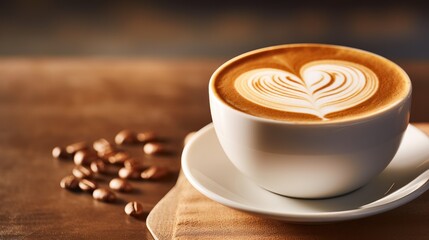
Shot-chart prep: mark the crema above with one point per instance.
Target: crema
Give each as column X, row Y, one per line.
column 310, row 83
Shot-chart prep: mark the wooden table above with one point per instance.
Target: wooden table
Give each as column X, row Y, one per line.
column 49, row 102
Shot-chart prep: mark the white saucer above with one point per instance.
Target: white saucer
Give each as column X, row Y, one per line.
column 209, row 170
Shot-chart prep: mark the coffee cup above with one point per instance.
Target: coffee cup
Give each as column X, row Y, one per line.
column 341, row 142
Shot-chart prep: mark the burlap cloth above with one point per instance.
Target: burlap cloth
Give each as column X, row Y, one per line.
column 198, row 217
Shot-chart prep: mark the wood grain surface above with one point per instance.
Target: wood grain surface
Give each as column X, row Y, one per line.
column 46, row 102
column 52, row 102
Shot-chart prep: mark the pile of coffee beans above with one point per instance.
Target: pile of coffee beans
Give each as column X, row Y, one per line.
column 106, row 159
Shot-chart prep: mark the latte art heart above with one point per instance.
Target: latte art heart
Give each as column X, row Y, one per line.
column 323, row 87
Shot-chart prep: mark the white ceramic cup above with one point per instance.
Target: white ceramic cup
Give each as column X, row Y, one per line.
column 309, row 160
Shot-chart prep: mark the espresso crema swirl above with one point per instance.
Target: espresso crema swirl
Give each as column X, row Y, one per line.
column 322, row 87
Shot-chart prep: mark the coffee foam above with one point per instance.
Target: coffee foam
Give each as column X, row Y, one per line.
column 324, row 87
column 310, row 83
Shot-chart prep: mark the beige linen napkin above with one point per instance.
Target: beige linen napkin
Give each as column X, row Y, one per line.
column 198, row 217
column 195, row 216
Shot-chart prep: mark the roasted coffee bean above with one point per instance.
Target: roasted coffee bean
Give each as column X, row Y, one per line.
column 75, row 147
column 154, row 173
column 118, row 157
column 87, row 185
column 104, row 195
column 155, row 149
column 126, row 137
column 84, row 157
column 105, row 155
column 98, row 166
column 133, row 164
column 102, row 146
column 128, row 173
column 188, row 137
column 145, row 137
column 120, row 185
column 70, row 183
column 134, row 209
column 60, row 153
column 82, row 172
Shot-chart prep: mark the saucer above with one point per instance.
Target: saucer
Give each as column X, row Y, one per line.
column 209, row 170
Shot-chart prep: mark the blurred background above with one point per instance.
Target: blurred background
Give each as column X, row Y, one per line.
column 203, row 34
column 217, row 29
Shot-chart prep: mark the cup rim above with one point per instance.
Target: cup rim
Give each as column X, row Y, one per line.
column 356, row 120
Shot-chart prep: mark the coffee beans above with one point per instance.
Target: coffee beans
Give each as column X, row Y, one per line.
column 104, row 195
column 94, row 166
column 146, row 137
column 120, row 185
column 104, row 149
column 105, row 155
column 87, row 185
column 75, row 147
column 134, row 209
column 82, row 172
column 70, row 183
column 60, row 153
column 128, row 173
column 155, row 149
column 98, row 166
column 133, row 164
column 154, row 173
column 84, row 157
column 102, row 146
column 130, row 137
column 126, row 137
column 118, row 158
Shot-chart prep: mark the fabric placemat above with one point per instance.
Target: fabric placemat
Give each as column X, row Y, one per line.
column 198, row 217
